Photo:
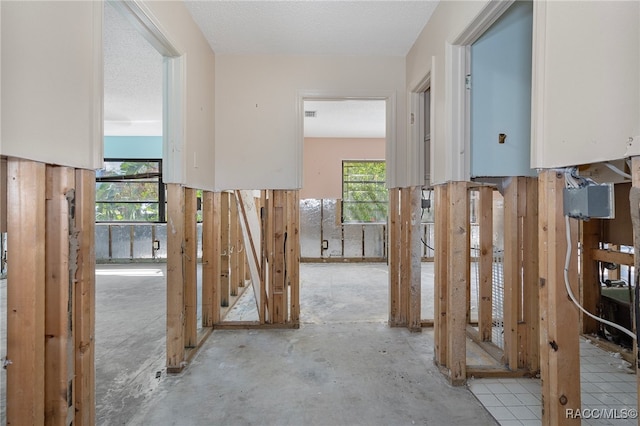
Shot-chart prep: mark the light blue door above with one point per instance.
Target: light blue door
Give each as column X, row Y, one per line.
column 501, row 96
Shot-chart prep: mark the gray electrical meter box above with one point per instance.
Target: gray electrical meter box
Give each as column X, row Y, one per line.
column 593, row 201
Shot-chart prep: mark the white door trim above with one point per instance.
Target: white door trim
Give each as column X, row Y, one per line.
column 174, row 86
column 389, row 96
column 417, row 126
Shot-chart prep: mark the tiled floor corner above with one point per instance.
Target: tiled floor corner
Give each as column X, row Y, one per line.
column 607, row 383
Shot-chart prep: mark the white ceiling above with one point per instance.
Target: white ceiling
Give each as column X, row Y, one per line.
column 385, row 28
column 133, row 69
column 345, row 119
column 132, row 80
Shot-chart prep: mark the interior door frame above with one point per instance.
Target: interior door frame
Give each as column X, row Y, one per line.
column 173, row 86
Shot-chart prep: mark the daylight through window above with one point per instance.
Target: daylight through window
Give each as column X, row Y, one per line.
column 130, row 191
column 364, row 194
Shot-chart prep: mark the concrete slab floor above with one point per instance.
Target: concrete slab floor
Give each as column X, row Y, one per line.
column 322, row 374
column 344, row 366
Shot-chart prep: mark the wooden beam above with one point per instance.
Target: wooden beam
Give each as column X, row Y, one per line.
column 26, row 292
column 234, row 239
column 190, row 267
column 394, row 256
column 85, row 293
column 441, row 271
column 175, row 278
column 529, row 329
column 265, row 298
column 611, row 256
column 559, row 329
column 634, row 207
column 59, row 296
column 210, row 258
column 250, row 220
column 512, row 271
column 405, row 257
column 459, row 253
column 414, row 262
column 293, row 255
column 485, row 263
column 278, row 215
column 225, row 246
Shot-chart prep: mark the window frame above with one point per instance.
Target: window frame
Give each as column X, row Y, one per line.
column 161, row 200
column 344, row 202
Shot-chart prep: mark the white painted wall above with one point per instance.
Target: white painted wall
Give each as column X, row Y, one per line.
column 426, row 56
column 257, row 146
column 199, row 148
column 586, row 81
column 586, row 89
column 51, row 81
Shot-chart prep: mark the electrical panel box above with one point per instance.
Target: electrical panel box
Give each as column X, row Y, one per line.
column 593, row 201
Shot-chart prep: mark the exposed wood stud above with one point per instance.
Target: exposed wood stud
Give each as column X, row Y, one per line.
column 26, row 292
column 394, row 256
column 175, row 277
column 190, row 268
column 635, row 182
column 225, row 247
column 85, row 293
column 559, row 329
column 405, row 256
column 210, row 258
column 530, row 275
column 59, row 295
column 264, row 257
column 485, row 263
column 293, row 255
column 278, row 258
column 441, row 271
column 414, row 262
column 512, row 270
column 234, row 256
column 458, row 255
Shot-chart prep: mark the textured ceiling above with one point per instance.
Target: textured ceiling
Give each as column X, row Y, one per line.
column 345, row 119
column 386, row 28
column 133, row 69
column 132, row 80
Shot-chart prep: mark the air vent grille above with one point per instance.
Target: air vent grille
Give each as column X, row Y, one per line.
column 310, row 114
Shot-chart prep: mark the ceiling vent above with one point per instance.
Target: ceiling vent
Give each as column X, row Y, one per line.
column 310, row 114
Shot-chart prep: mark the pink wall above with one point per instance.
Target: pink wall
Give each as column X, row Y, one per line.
column 322, row 164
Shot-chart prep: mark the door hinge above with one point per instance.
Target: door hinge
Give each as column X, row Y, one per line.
column 467, row 82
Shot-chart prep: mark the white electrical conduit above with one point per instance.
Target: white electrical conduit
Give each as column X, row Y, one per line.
column 618, row 171
column 573, row 298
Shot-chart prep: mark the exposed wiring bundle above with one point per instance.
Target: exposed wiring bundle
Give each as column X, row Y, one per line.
column 572, row 180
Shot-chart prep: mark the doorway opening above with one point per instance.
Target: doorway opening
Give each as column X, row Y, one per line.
column 343, row 211
column 142, row 113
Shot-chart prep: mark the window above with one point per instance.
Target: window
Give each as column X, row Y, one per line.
column 130, row 191
column 364, row 195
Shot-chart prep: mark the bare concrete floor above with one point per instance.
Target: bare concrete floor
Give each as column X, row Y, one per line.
column 343, row 366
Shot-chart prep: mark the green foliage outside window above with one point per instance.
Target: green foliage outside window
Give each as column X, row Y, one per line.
column 129, row 191
column 364, row 195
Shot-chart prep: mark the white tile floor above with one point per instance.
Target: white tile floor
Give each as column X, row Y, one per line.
column 606, row 382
